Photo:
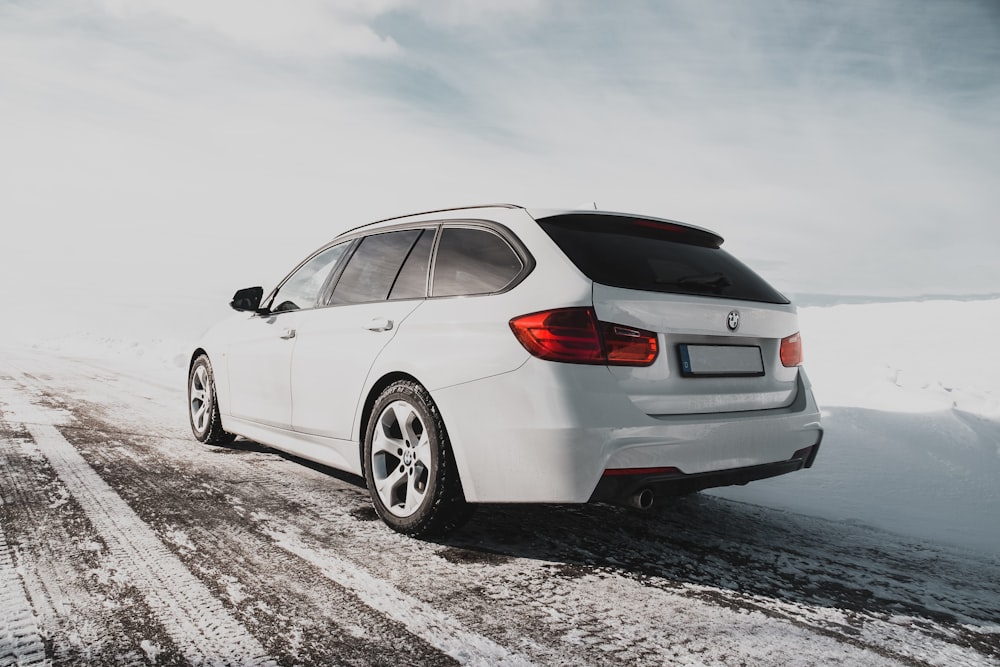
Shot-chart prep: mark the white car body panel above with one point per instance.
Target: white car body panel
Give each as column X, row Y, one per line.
column 334, row 350
column 258, row 358
column 333, row 452
column 660, row 389
column 575, row 423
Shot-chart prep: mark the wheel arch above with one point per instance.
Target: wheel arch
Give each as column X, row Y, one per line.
column 369, row 404
column 365, row 414
column 447, row 508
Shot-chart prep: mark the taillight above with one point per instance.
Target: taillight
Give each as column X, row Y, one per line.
column 791, row 350
column 628, row 346
column 565, row 334
column 574, row 335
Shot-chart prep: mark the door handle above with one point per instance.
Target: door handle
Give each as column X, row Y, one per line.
column 379, row 324
column 288, row 334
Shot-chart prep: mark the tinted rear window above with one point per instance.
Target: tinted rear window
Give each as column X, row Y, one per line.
column 473, row 261
column 411, row 283
column 635, row 253
column 372, row 269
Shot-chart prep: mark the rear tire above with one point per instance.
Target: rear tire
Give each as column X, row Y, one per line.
column 409, row 467
column 203, row 405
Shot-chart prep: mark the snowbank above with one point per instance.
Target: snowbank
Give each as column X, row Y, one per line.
column 911, row 408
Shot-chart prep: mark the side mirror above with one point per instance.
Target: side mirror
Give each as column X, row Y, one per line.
column 247, row 299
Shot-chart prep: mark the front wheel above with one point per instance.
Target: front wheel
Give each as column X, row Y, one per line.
column 409, row 467
column 203, row 405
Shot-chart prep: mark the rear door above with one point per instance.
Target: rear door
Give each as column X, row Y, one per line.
column 382, row 283
column 719, row 324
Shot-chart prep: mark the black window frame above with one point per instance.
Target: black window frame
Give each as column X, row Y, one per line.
column 436, row 227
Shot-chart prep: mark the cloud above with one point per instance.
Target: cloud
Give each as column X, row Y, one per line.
column 303, row 28
column 845, row 146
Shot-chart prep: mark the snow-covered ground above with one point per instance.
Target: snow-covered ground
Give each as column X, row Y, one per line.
column 118, row 530
column 909, row 391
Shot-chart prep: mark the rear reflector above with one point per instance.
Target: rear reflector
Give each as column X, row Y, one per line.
column 618, row 472
column 574, row 335
column 807, row 455
column 791, row 350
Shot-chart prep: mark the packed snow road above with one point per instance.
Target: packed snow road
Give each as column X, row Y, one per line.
column 124, row 541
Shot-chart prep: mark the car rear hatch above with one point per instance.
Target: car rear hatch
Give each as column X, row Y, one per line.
column 719, row 325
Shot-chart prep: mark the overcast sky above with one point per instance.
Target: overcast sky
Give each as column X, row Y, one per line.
column 190, row 147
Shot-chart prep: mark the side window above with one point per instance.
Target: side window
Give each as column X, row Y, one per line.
column 473, row 261
column 373, row 267
column 411, row 283
column 301, row 289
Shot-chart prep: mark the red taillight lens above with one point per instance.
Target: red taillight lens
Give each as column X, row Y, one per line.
column 628, row 346
column 574, row 335
column 791, row 350
column 564, row 334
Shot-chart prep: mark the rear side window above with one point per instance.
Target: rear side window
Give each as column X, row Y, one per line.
column 655, row 256
column 372, row 269
column 411, row 283
column 473, row 261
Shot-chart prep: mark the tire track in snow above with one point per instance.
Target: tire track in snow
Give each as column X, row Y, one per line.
column 571, row 622
column 86, row 612
column 435, row 627
column 203, row 629
column 20, row 642
column 299, row 616
column 645, row 557
column 439, row 629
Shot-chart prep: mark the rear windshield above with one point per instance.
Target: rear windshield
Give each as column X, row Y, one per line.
column 641, row 254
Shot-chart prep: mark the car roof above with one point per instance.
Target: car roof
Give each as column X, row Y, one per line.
column 459, row 212
column 429, row 216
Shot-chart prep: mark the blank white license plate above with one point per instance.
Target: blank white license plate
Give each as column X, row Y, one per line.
column 721, row 360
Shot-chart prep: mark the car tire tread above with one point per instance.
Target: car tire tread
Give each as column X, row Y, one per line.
column 447, row 509
column 213, row 434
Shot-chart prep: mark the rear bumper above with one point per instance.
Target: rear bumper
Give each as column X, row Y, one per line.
column 619, row 488
column 548, row 432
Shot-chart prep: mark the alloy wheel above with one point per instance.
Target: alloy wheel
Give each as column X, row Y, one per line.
column 401, row 459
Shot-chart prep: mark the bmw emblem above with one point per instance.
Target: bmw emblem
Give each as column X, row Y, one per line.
column 733, row 320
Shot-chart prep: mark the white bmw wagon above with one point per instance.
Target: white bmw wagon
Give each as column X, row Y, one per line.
column 503, row 355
